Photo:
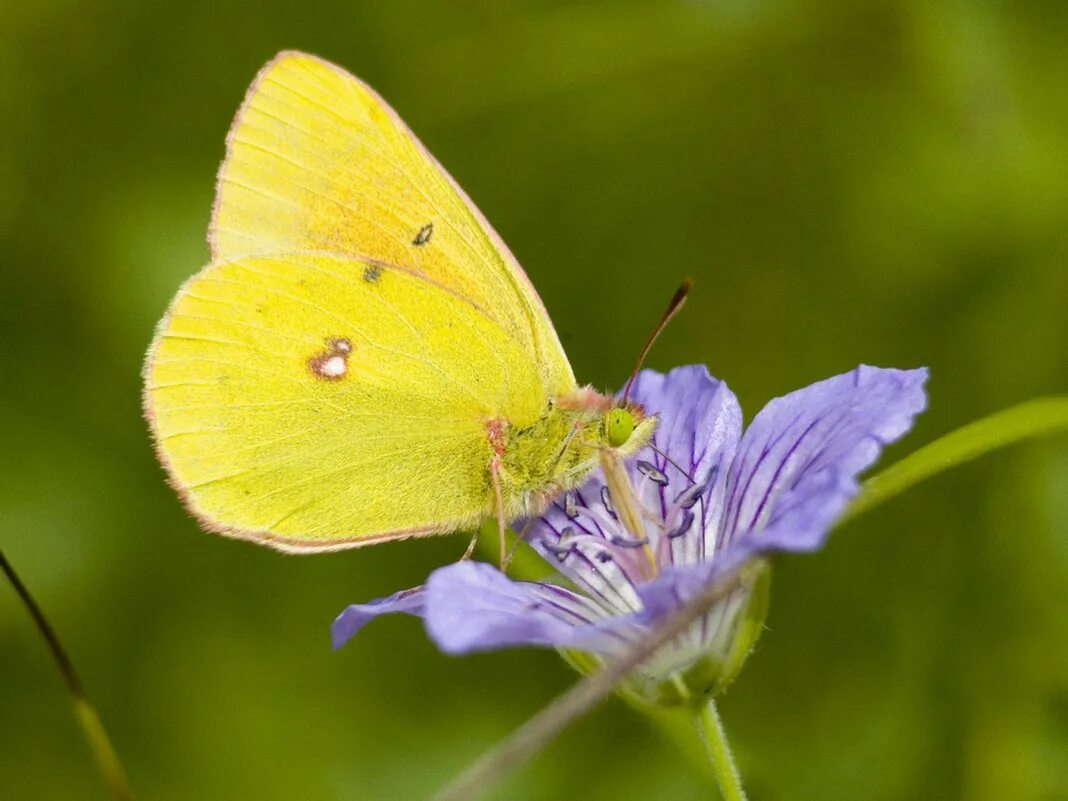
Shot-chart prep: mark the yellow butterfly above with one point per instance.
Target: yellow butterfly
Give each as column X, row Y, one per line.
column 363, row 360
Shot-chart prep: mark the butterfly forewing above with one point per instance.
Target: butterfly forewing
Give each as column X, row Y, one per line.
column 317, row 161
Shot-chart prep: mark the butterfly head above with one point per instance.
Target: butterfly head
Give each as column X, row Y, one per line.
column 619, row 424
column 618, row 419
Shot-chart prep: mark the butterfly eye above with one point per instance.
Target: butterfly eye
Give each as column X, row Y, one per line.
column 619, row 425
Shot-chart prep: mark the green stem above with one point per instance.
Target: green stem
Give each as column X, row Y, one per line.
column 107, row 761
column 531, row 737
column 714, row 737
column 1031, row 419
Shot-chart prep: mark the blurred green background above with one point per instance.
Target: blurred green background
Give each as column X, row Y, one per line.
column 884, row 182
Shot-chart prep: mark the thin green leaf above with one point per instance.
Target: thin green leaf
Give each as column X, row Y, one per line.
column 1031, row 419
column 104, row 754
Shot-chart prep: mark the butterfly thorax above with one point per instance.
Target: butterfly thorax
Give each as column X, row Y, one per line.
column 557, row 453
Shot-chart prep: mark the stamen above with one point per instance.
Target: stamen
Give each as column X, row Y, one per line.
column 626, row 542
column 691, row 495
column 606, row 499
column 565, row 543
column 683, row 502
column 559, row 551
column 570, row 541
column 652, row 473
column 610, row 544
column 603, row 523
column 683, row 527
column 571, row 505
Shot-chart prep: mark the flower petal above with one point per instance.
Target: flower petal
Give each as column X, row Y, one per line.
column 798, row 462
column 700, row 426
column 356, row 616
column 699, row 415
column 675, row 586
column 472, row 606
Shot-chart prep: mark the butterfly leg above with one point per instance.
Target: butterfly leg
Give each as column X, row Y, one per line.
column 495, row 471
column 495, row 430
column 470, row 547
column 518, row 541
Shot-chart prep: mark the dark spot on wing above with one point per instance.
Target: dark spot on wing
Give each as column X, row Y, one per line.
column 423, row 235
column 332, row 363
column 371, row 273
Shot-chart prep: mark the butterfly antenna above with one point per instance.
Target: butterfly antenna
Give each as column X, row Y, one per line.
column 677, row 301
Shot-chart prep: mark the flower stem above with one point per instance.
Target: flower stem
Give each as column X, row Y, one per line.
column 531, row 737
column 719, row 752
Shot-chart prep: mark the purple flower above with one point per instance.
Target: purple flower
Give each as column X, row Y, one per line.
column 712, row 499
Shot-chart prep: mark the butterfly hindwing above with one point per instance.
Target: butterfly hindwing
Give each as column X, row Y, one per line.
column 318, row 401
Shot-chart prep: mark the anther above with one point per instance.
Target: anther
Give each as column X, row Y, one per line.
column 683, row 527
column 606, row 499
column 650, row 471
column 559, row 551
column 626, row 542
column 691, row 495
column 571, row 505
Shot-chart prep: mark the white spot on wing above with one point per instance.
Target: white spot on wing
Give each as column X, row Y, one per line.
column 334, row 367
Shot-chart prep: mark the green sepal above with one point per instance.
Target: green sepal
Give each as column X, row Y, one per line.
column 750, row 624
